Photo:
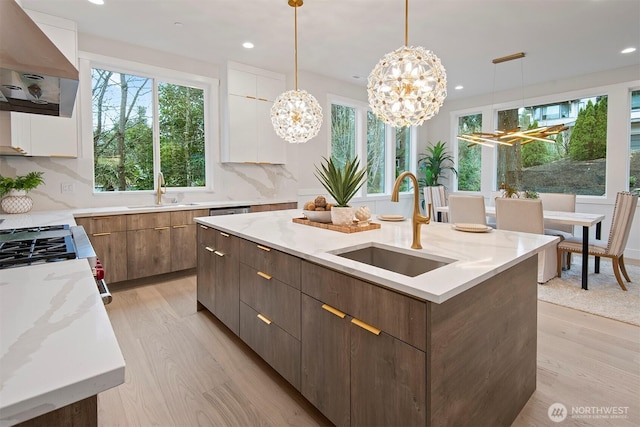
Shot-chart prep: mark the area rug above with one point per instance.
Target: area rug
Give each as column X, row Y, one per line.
column 604, row 297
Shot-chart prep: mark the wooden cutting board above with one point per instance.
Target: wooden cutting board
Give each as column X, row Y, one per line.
column 341, row 228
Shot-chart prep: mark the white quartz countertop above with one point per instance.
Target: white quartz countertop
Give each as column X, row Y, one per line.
column 472, row 257
column 57, row 345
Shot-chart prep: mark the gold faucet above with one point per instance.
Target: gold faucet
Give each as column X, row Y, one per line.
column 417, row 220
column 160, row 190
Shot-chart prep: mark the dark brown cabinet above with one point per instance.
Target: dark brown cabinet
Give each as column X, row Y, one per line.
column 218, row 271
column 388, row 380
column 325, row 360
column 358, row 368
column 206, row 261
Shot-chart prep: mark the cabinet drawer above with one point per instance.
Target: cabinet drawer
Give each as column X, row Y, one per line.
column 273, row 344
column 279, row 265
column 269, row 296
column 227, row 243
column 327, row 285
column 103, row 224
column 398, row 315
column 186, row 217
column 148, row 220
column 206, row 236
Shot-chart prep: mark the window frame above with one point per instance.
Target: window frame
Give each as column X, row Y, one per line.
column 618, row 129
column 210, row 87
column 361, row 109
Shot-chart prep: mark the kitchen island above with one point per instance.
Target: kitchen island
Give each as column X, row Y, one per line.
column 454, row 345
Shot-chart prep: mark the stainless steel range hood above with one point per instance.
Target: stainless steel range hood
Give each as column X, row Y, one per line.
column 35, row 77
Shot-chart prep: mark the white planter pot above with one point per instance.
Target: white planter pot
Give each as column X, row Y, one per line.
column 342, row 215
column 16, row 202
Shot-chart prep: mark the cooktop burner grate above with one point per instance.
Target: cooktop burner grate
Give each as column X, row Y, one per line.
column 28, row 248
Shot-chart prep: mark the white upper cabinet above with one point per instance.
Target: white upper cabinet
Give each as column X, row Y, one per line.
column 47, row 136
column 250, row 95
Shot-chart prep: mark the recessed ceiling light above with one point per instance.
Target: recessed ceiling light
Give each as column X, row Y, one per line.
column 247, row 45
column 459, row 87
column 628, row 50
column 97, row 1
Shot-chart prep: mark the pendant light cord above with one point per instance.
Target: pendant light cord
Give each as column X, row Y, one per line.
column 406, row 23
column 295, row 38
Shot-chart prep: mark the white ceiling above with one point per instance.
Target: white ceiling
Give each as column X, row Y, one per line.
column 342, row 39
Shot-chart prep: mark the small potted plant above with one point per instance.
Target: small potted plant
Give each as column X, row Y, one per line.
column 342, row 185
column 15, row 191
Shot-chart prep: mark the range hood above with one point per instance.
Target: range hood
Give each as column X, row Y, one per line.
column 35, row 77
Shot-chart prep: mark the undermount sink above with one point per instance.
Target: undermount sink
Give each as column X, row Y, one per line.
column 168, row 205
column 393, row 259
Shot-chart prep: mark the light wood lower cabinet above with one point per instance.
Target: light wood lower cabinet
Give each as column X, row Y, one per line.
column 108, row 236
column 183, row 238
column 206, row 290
column 140, row 245
column 148, row 252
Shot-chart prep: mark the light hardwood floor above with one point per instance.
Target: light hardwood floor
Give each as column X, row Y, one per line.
column 184, row 368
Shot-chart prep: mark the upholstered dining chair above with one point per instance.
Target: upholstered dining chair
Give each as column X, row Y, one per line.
column 562, row 202
column 467, row 209
column 525, row 215
column 613, row 248
column 437, row 197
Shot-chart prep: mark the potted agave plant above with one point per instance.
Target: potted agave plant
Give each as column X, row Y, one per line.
column 15, row 191
column 342, row 184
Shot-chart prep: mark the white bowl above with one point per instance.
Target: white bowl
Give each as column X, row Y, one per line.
column 318, row 216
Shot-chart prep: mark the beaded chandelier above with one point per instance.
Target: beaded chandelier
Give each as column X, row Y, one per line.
column 408, row 85
column 296, row 115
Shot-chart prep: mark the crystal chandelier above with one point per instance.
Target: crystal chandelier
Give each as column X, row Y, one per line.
column 515, row 135
column 408, row 85
column 296, row 115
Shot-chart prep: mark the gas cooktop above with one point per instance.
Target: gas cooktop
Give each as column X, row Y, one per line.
column 34, row 245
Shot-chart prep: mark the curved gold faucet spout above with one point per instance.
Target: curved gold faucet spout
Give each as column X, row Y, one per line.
column 417, row 219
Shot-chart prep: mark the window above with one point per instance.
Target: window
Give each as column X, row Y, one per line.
column 376, row 154
column 356, row 131
column 634, row 142
column 143, row 125
column 469, row 155
column 575, row 163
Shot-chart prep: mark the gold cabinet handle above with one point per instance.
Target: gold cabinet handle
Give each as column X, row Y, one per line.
column 264, row 248
column 264, row 319
column 250, row 97
column 224, row 234
column 96, row 218
column 218, row 253
column 363, row 325
column 204, row 227
column 263, row 99
column 160, row 228
column 100, row 234
column 209, row 249
column 334, row 311
column 265, row 275
column 180, row 226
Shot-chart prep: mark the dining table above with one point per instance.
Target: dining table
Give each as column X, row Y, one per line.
column 580, row 219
